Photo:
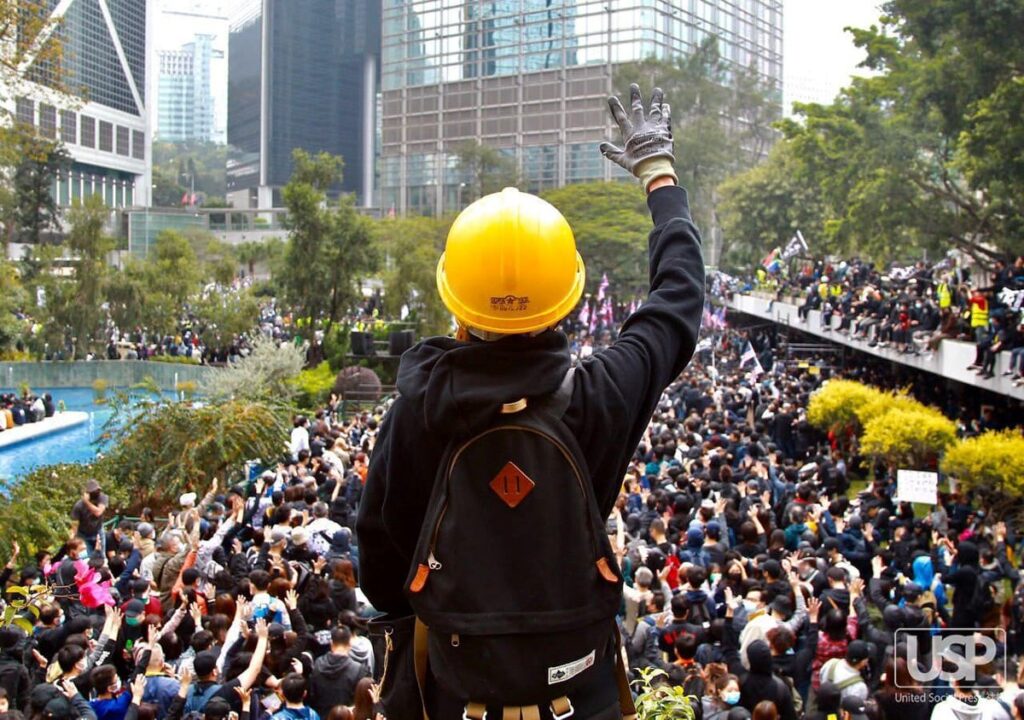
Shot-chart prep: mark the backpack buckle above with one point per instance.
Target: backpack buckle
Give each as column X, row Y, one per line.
column 479, row 712
column 567, row 714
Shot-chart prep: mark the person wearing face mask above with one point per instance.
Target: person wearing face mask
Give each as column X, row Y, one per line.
column 111, row 698
column 721, row 693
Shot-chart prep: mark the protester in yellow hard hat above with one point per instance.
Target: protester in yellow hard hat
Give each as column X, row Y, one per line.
column 481, row 525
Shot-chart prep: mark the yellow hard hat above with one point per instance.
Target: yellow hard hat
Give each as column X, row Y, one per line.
column 510, row 265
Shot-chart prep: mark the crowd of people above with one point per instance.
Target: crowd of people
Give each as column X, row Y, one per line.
column 16, row 411
column 913, row 309
column 755, row 579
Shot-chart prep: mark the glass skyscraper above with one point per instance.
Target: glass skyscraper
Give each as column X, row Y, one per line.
column 301, row 74
column 530, row 78
column 185, row 100
column 106, row 130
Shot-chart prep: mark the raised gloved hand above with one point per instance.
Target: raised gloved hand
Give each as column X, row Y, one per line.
column 647, row 141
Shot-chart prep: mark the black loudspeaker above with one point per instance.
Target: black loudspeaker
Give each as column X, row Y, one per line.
column 399, row 341
column 361, row 343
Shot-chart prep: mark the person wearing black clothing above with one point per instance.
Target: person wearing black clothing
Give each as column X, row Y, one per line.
column 964, row 580
column 449, row 387
column 335, row 675
column 762, row 684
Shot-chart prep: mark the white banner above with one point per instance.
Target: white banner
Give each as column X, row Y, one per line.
column 918, row 487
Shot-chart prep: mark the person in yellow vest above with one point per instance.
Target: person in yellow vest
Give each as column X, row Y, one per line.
column 942, row 292
column 979, row 325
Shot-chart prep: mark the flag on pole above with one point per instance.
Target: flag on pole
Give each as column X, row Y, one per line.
column 750, row 356
column 795, row 246
column 602, row 288
column 584, row 317
column 632, row 306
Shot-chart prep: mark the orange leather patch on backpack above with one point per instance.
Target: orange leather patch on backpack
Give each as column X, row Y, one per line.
column 421, row 578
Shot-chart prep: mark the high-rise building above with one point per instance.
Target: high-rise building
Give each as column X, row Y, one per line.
column 185, row 99
column 530, row 78
column 301, row 74
column 105, row 127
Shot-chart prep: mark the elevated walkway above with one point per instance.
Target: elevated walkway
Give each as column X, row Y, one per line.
column 950, row 360
column 49, row 426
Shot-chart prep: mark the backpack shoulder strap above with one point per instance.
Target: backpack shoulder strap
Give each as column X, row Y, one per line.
column 558, row 402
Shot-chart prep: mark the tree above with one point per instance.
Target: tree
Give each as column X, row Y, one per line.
column 927, row 151
column 412, row 246
column 222, row 316
column 763, row 207
column 76, row 304
column 184, row 167
column 159, row 450
column 12, row 300
column 484, row 170
column 266, row 372
column 173, row 268
column 35, row 208
column 909, row 438
column 330, row 247
column 611, row 223
column 992, row 466
column 721, row 119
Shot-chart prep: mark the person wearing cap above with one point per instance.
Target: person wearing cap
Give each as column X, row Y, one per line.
column 513, row 245
column 300, row 550
column 845, row 672
column 87, row 514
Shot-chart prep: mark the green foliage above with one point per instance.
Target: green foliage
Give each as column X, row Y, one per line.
column 992, row 466
column 484, row 170
column 834, row 407
column 926, row 151
column 610, row 221
column 35, row 208
column 177, row 167
column 174, row 359
column 910, row 438
column 658, row 700
column 12, row 298
column 161, row 449
column 76, row 304
column 24, row 605
column 412, row 246
column 187, row 388
column 35, row 509
column 313, row 386
column 763, row 207
column 330, row 248
column 221, row 316
column 266, row 372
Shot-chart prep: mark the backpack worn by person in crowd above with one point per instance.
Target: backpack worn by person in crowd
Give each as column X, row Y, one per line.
column 514, row 582
column 196, row 700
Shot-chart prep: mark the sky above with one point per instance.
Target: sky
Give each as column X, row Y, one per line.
column 818, row 56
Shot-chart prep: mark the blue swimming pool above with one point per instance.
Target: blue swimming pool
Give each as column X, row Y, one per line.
column 74, row 445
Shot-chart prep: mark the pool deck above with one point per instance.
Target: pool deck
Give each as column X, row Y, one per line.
column 49, row 426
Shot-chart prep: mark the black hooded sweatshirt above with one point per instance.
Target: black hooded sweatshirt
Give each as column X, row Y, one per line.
column 762, row 684
column 333, row 681
column 449, row 389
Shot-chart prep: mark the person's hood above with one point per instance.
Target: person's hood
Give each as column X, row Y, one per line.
column 924, row 573
column 967, row 554
column 962, row 710
column 759, row 657
column 332, row 665
column 462, row 385
column 361, row 651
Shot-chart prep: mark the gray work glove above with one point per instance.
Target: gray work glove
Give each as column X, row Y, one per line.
column 648, row 140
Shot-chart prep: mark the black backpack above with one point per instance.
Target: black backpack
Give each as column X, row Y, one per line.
column 513, row 576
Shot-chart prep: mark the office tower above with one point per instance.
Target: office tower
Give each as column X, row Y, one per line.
column 530, row 78
column 185, row 100
column 105, row 128
column 301, row 74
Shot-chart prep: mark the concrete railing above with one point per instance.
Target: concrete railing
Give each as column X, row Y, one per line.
column 116, row 373
column 949, row 361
